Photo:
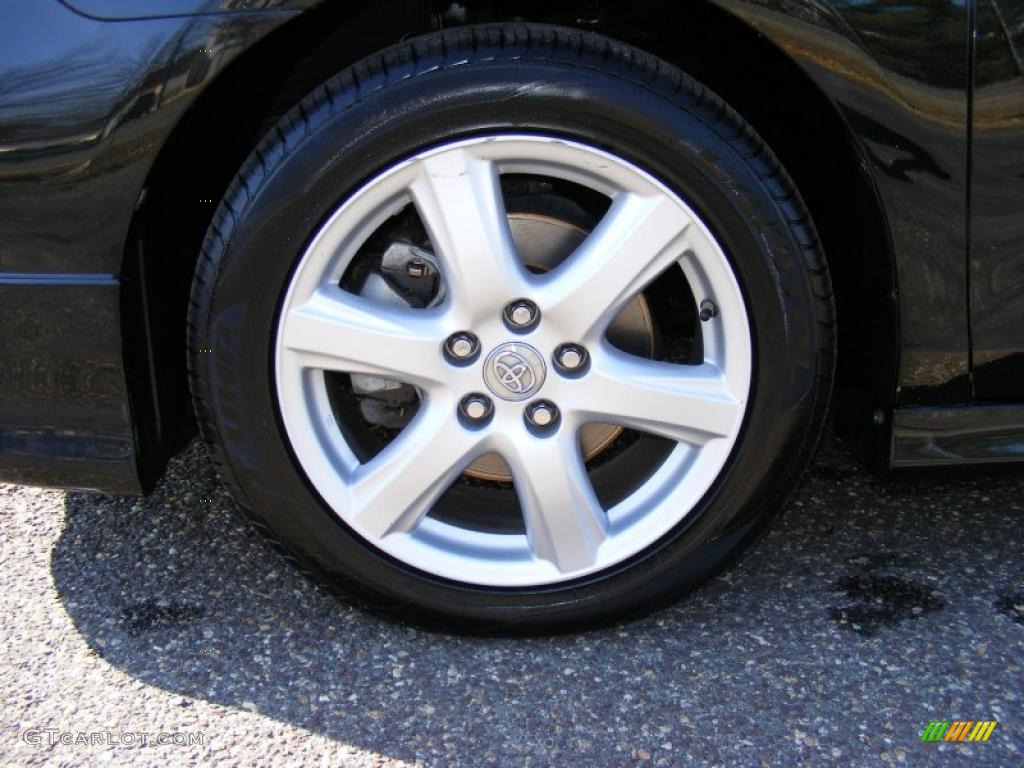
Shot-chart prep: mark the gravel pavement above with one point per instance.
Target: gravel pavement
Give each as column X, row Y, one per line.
column 871, row 609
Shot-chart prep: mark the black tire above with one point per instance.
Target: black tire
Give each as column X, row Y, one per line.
column 546, row 79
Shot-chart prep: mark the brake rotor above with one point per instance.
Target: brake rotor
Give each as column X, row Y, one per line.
column 543, row 242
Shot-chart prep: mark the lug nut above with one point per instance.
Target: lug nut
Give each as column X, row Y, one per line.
column 521, row 314
column 570, row 357
column 542, row 414
column 476, row 408
column 462, row 347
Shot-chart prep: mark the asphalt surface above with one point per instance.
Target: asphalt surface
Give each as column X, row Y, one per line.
column 871, row 609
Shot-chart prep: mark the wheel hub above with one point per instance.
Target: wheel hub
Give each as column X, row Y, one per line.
column 544, row 242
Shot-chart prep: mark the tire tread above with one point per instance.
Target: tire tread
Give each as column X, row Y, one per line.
column 476, row 45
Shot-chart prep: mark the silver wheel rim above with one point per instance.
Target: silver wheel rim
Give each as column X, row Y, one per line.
column 456, row 192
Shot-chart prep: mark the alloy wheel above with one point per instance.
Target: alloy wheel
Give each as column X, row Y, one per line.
column 511, row 362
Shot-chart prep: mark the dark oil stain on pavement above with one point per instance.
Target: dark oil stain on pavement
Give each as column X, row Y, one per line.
column 880, row 600
column 151, row 614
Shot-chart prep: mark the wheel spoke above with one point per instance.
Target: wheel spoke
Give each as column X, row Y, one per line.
column 565, row 523
column 339, row 331
column 397, row 487
column 688, row 403
column 459, row 199
column 635, row 242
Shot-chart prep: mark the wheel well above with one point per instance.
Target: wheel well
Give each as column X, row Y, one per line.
column 191, row 174
column 782, row 103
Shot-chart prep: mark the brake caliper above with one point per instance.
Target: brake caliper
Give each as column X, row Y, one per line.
column 408, row 276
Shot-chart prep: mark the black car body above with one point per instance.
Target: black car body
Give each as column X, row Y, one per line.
column 122, row 122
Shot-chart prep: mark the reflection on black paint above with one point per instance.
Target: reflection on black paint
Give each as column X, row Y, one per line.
column 84, row 107
column 893, row 153
column 997, row 203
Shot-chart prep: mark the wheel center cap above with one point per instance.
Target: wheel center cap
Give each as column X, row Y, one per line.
column 514, row 371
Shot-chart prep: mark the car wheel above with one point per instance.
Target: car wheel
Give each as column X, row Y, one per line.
column 512, row 326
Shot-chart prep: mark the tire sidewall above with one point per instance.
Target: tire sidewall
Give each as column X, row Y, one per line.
column 674, row 138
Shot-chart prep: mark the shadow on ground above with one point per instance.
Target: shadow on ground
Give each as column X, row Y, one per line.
column 872, row 608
